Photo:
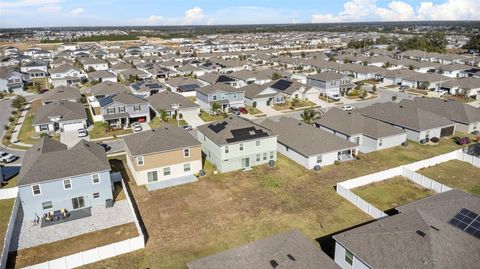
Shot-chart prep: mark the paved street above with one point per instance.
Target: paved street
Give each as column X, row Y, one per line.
column 5, row 112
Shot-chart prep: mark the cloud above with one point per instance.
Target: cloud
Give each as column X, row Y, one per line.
column 193, row 16
column 77, row 11
column 367, row 10
column 254, row 15
column 50, row 8
column 28, row 3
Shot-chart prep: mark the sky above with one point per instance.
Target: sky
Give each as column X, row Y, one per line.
column 48, row 13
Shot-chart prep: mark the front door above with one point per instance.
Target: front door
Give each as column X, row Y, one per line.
column 246, row 162
column 78, row 202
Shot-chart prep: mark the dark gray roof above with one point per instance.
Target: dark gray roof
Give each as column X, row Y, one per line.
column 165, row 100
column 285, row 86
column 209, row 89
column 327, row 76
column 419, row 237
column 66, row 110
column 233, row 129
column 305, row 139
column 165, row 138
column 354, row 123
column 107, row 88
column 123, row 98
column 411, row 117
column 289, row 250
column 61, row 93
column 450, row 109
column 50, row 160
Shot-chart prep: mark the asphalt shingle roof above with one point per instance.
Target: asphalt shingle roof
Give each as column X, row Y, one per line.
column 66, row 110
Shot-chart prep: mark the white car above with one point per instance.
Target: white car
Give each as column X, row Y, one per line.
column 7, row 157
column 136, row 127
column 347, row 108
column 82, row 132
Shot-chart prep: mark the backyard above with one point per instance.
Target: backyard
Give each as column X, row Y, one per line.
column 392, row 192
column 5, row 212
column 226, row 210
column 455, row 174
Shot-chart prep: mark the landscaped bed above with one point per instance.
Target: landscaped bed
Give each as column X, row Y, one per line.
column 455, row 174
column 391, row 193
column 226, row 210
column 207, row 117
column 58, row 249
column 294, row 105
column 100, row 130
column 6, row 207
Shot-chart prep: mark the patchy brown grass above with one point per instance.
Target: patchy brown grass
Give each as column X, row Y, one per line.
column 6, row 207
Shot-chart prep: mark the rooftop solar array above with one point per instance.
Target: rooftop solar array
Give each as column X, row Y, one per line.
column 188, row 87
column 467, row 221
column 282, row 85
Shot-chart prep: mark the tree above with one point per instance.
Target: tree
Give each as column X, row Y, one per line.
column 424, row 85
column 177, row 53
column 302, row 54
column 309, row 115
column 18, row 102
column 254, row 104
column 473, row 43
column 394, row 98
column 276, row 76
column 163, row 115
column 90, row 69
column 215, row 107
column 374, row 88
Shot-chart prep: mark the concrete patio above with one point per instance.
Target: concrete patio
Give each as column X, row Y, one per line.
column 27, row 235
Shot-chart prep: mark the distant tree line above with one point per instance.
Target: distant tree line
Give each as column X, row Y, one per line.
column 473, row 43
column 94, row 38
column 430, row 42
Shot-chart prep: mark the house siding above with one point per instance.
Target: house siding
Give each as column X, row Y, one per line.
column 340, row 259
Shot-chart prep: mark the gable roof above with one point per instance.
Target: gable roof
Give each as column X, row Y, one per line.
column 305, row 139
column 209, row 89
column 123, row 98
column 165, row 100
column 354, row 123
column 165, row 138
column 63, row 69
column 66, row 110
column 233, row 129
column 285, row 86
column 107, row 88
column 49, row 160
column 61, row 93
column 289, row 250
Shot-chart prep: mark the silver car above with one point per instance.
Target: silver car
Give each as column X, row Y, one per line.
column 7, row 157
column 136, row 127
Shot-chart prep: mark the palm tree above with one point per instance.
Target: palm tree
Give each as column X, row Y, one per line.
column 215, row 107
column 163, row 115
column 309, row 115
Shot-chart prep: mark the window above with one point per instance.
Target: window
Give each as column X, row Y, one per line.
column 44, row 127
column 227, row 150
column 258, row 157
column 265, row 156
column 96, row 195
column 136, row 108
column 223, row 96
column 186, row 167
column 214, row 97
column 140, row 160
column 319, row 158
column 186, row 153
column 235, row 95
column 272, row 155
column 67, row 184
column 349, row 257
column 47, row 205
column 110, row 110
column 166, row 171
column 241, row 147
column 257, row 143
column 152, row 176
column 121, row 109
column 95, row 178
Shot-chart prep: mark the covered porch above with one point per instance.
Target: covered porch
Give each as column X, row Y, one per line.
column 347, row 155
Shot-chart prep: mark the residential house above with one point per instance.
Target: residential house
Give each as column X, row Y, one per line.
column 184, row 85
column 35, row 65
column 330, row 83
column 122, row 109
column 11, row 80
column 216, row 78
column 173, row 104
column 60, row 61
column 53, row 177
column 419, row 124
column 224, row 95
column 93, row 64
column 236, row 143
column 429, row 81
column 462, row 86
column 163, row 157
column 146, row 88
column 289, row 249
column 61, row 93
column 65, row 75
column 60, row 116
column 369, row 134
column 107, row 88
column 309, row 146
column 134, row 73
column 99, row 76
column 440, row 231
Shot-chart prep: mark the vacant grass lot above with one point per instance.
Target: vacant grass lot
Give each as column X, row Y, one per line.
column 392, row 192
column 455, row 174
column 222, row 211
column 58, row 249
column 6, row 207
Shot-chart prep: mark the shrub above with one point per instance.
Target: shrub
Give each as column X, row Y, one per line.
column 14, row 112
column 8, row 137
column 434, row 139
column 405, row 144
column 337, row 162
column 18, row 102
column 11, row 119
column 6, row 126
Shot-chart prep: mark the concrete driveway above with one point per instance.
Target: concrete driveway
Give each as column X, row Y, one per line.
column 69, row 138
column 193, row 120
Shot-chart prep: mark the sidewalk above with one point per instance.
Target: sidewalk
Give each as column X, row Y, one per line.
column 18, row 126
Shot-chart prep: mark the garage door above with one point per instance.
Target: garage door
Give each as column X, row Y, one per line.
column 73, row 126
column 447, row 131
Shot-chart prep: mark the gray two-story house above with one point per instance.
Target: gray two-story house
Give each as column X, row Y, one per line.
column 53, row 177
column 225, row 95
column 330, row 83
column 123, row 109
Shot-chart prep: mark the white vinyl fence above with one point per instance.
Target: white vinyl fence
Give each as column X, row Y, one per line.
column 8, row 193
column 9, row 233
column 408, row 171
column 99, row 253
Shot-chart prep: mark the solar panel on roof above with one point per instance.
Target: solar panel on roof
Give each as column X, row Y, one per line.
column 282, row 85
column 188, row 87
column 467, row 221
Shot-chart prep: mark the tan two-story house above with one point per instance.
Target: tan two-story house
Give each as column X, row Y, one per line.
column 163, row 157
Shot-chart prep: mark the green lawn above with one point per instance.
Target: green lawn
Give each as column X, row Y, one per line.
column 27, row 133
column 290, row 105
column 455, row 174
column 230, row 209
column 5, row 212
column 11, row 182
column 100, row 130
column 392, row 193
column 207, row 117
column 157, row 122
column 253, row 110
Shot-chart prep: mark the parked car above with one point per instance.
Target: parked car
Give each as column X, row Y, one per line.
column 105, row 146
column 7, row 157
column 43, row 91
column 187, row 127
column 243, row 110
column 136, row 127
column 347, row 108
column 404, row 87
column 82, row 132
column 235, row 110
